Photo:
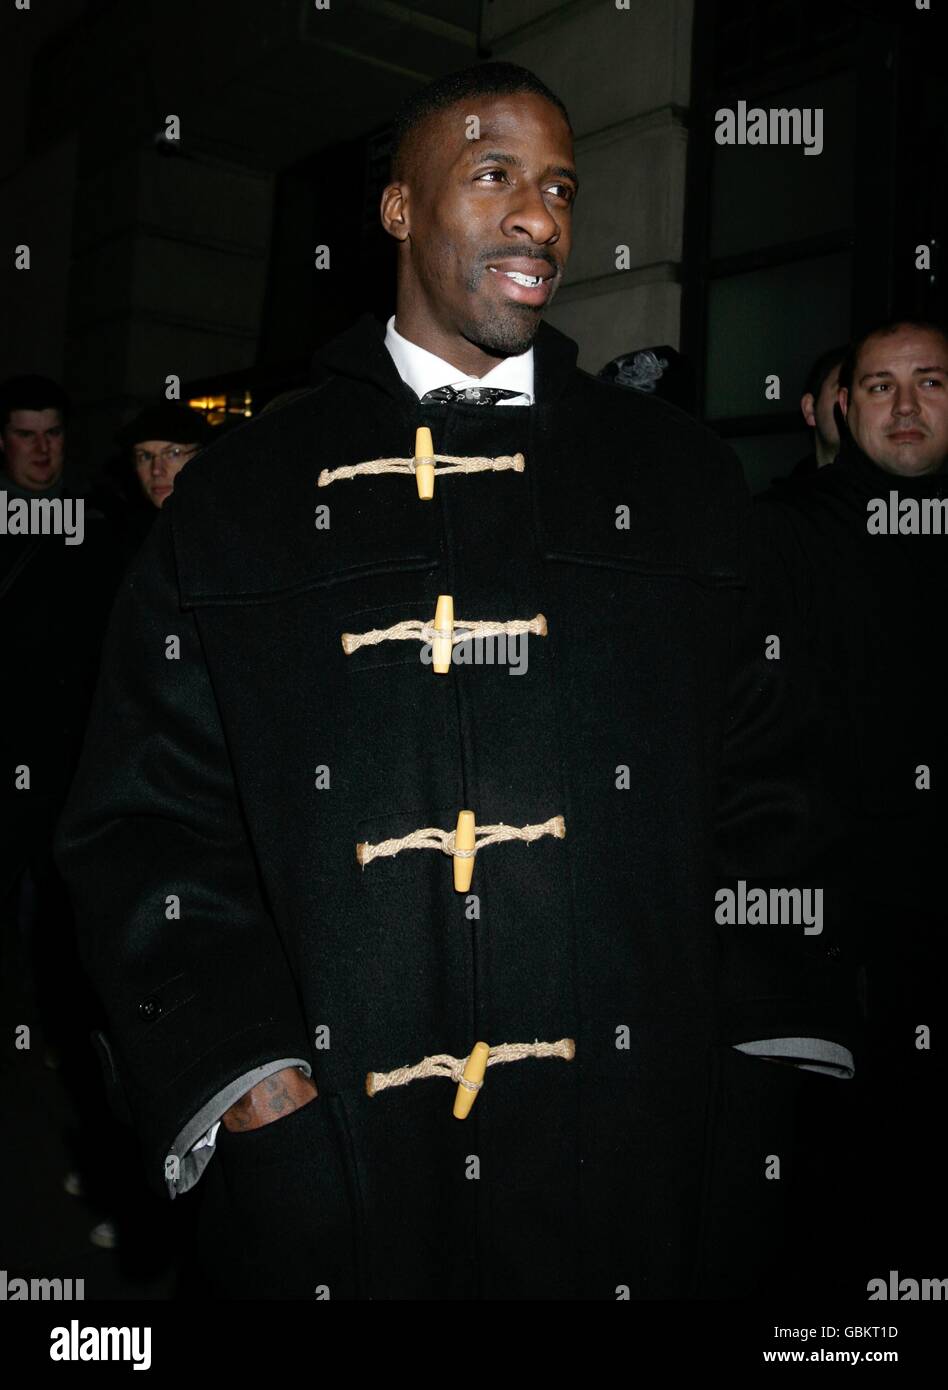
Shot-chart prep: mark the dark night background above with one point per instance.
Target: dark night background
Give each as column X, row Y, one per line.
column 196, row 257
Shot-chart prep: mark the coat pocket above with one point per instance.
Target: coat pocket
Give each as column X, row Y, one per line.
column 751, row 1174
column 640, row 562
column 282, row 1218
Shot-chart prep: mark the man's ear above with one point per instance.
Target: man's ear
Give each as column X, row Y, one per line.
column 807, row 403
column 393, row 211
column 842, row 425
column 842, row 400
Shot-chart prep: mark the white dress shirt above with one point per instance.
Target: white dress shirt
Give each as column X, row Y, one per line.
column 423, row 371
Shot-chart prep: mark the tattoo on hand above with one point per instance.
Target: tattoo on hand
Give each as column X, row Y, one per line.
column 269, row 1099
column 278, row 1098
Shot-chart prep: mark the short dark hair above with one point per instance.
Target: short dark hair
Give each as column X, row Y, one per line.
column 31, row 393
column 483, row 79
column 881, row 330
column 822, row 368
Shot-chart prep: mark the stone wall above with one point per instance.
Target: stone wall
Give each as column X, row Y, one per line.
column 624, row 76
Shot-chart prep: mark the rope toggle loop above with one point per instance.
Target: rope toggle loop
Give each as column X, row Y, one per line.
column 422, row 466
column 469, row 1071
column 461, row 843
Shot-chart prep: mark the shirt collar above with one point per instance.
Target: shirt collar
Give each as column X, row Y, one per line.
column 423, row 371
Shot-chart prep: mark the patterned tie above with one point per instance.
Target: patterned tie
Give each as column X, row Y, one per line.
column 470, row 395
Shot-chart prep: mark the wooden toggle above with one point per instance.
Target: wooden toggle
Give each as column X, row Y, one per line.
column 442, row 646
column 464, row 839
column 474, row 1069
column 424, row 463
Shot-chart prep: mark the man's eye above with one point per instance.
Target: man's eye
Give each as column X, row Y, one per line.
column 933, row 381
column 879, row 386
column 567, row 191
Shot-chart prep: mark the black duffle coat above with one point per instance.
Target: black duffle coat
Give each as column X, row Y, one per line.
column 204, row 777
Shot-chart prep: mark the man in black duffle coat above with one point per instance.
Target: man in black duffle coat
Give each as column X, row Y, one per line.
column 255, row 969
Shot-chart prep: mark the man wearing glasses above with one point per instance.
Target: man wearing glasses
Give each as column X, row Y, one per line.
column 156, row 444
column 162, row 439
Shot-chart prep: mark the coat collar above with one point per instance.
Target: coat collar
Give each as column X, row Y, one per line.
column 360, row 353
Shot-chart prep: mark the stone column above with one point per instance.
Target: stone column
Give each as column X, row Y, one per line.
column 624, row 74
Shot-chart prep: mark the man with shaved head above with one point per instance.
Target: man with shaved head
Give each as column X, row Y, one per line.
column 412, row 960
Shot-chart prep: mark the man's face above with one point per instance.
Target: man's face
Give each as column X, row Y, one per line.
column 818, row 410
column 897, row 409
column 34, row 443
column 503, row 200
column 157, row 463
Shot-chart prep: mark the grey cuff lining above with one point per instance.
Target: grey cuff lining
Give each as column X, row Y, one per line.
column 809, row 1054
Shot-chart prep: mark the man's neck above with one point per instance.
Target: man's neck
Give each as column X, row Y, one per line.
column 859, row 463
column 825, row 452
column 7, row 484
column 468, row 358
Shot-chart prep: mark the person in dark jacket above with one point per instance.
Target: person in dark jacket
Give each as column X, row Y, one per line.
column 55, row 591
column 155, row 445
column 411, row 955
column 56, row 588
column 867, row 538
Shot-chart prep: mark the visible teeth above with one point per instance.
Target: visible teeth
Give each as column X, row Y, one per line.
column 529, row 280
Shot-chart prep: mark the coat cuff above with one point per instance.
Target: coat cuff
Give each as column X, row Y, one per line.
column 194, row 1147
column 809, row 1054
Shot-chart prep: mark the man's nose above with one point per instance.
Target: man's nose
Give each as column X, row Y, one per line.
column 906, row 401
column 532, row 215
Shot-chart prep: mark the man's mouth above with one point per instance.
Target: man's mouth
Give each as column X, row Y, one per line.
column 520, row 282
column 906, row 436
column 520, row 279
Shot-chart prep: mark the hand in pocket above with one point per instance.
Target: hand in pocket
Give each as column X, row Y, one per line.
column 270, row 1100
column 282, row 1224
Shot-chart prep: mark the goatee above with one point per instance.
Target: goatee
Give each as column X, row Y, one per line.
column 503, row 337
